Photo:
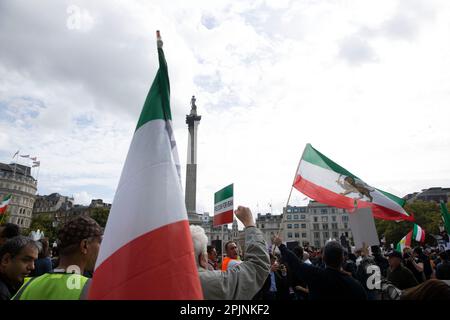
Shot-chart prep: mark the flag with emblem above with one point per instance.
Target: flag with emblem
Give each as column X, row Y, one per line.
column 325, row 181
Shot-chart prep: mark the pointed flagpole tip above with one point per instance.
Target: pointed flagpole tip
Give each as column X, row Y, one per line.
column 158, row 39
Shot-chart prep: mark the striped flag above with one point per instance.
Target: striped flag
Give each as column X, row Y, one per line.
column 223, row 206
column 33, row 158
column 25, row 155
column 404, row 242
column 147, row 250
column 325, row 181
column 417, row 234
column 36, row 163
column 4, row 204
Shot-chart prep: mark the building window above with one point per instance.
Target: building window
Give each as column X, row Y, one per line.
column 289, row 234
column 333, row 210
column 289, row 210
column 333, row 218
column 303, row 225
column 345, row 226
column 315, row 226
column 316, row 235
column 302, row 209
column 315, row 211
column 315, row 219
column 324, row 219
column 325, row 226
column 297, row 235
column 344, row 218
column 262, row 226
column 303, row 235
column 317, row 244
column 323, row 211
column 289, row 226
column 326, row 235
column 303, row 217
column 295, row 216
column 335, row 235
column 334, row 226
column 289, row 217
column 296, row 226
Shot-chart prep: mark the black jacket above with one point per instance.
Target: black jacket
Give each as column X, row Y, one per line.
column 6, row 290
column 324, row 284
column 402, row 278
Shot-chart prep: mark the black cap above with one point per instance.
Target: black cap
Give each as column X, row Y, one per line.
column 395, row 254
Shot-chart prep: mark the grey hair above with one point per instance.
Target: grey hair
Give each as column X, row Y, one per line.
column 14, row 245
column 199, row 240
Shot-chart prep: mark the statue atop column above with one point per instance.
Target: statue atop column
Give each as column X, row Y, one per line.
column 193, row 106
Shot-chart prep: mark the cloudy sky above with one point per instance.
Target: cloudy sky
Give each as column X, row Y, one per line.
column 365, row 82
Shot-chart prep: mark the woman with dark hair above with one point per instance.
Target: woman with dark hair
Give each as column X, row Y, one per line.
column 432, row 289
column 44, row 263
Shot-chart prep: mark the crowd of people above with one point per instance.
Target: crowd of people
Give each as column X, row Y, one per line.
column 31, row 270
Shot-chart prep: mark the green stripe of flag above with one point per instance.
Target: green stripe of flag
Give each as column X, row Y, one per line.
column 157, row 103
column 223, row 194
column 401, row 202
column 445, row 216
column 415, row 230
column 315, row 157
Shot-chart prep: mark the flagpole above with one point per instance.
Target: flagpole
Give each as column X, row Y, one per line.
column 289, row 198
column 222, row 249
column 15, row 163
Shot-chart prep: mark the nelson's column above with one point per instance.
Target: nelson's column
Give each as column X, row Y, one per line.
column 192, row 121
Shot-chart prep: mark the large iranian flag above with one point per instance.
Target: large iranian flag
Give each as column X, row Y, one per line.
column 4, row 204
column 147, row 250
column 325, row 181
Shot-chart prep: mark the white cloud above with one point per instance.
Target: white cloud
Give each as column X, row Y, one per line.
column 82, row 198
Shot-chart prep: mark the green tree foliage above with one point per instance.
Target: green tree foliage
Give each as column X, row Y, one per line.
column 427, row 216
column 100, row 215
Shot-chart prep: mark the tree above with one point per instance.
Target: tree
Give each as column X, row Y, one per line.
column 427, row 215
column 100, row 215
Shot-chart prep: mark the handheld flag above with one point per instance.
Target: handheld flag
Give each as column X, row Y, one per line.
column 147, row 250
column 325, row 181
column 417, row 233
column 4, row 204
column 223, row 206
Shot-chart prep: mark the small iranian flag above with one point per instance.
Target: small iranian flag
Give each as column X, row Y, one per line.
column 325, row 181
column 4, row 204
column 417, row 233
column 223, row 206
